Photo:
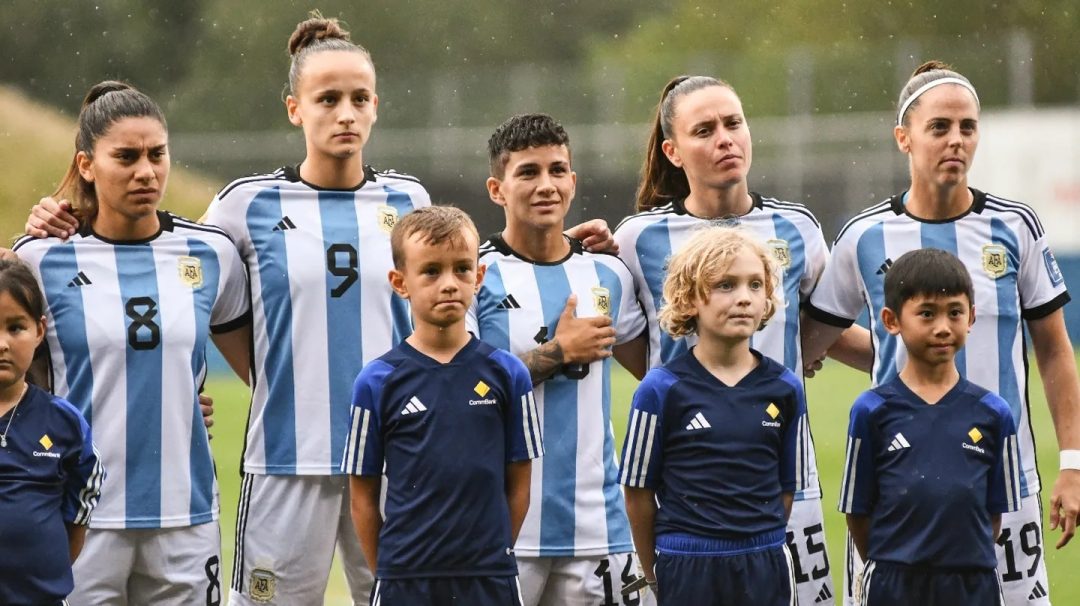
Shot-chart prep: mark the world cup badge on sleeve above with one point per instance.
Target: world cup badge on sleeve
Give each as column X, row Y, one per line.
column 781, row 251
column 995, row 260
column 190, row 271
column 387, row 217
column 601, row 298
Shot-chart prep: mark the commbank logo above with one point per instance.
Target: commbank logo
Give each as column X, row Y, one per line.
column 46, row 441
column 698, row 422
column 975, row 435
column 414, row 406
column 899, row 443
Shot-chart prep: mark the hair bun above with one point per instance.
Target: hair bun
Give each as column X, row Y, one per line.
column 312, row 30
column 102, row 88
column 930, row 66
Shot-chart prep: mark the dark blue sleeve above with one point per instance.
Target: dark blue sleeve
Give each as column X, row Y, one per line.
column 83, row 476
column 858, row 486
column 794, row 457
column 364, row 447
column 1003, row 489
column 522, row 421
column 643, row 448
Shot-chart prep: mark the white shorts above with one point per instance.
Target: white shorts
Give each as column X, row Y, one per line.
column 286, row 530
column 165, row 566
column 580, row 581
column 1021, row 565
column 810, row 559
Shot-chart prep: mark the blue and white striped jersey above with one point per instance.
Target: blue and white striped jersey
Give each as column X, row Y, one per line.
column 127, row 330
column 1013, row 271
column 718, row 456
column 321, row 303
column 646, row 241
column 931, row 476
column 576, row 507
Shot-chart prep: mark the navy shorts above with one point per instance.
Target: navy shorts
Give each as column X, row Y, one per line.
column 760, row 574
column 447, row 591
column 886, row 583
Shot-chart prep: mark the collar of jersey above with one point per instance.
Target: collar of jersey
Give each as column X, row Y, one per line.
column 292, row 173
column 421, row 357
column 165, row 223
column 899, row 206
column 945, row 400
column 497, row 241
column 750, row 377
column 679, row 204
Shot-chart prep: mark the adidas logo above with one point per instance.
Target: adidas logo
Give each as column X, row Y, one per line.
column 698, row 422
column 80, row 279
column 1038, row 592
column 899, row 443
column 884, row 267
column 284, row 224
column 509, row 303
column 824, row 595
column 414, row 406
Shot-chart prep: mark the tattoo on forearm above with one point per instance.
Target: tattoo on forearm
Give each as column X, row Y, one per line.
column 543, row 361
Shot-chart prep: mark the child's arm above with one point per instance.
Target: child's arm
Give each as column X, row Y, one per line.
column 364, row 506
column 76, row 536
column 641, row 509
column 995, row 523
column 859, row 528
column 789, row 500
column 518, row 481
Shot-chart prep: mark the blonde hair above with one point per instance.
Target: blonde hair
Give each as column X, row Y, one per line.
column 692, row 272
column 436, row 225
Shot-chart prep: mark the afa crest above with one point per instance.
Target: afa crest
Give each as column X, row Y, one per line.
column 263, row 585
column 781, row 251
column 387, row 217
column 190, row 269
column 995, row 260
column 601, row 300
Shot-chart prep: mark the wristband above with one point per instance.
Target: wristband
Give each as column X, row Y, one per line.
column 1070, row 459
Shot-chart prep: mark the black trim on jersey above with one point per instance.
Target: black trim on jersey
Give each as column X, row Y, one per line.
column 23, row 240
column 880, row 207
column 292, row 173
column 1025, row 213
column 497, row 242
column 277, row 175
column 792, row 206
column 826, row 318
column 238, row 322
column 393, row 174
column 1040, row 312
column 680, row 207
column 185, row 223
column 657, row 210
column 978, row 203
column 1020, row 207
column 165, row 223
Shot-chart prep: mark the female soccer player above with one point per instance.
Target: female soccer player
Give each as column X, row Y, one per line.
column 695, row 173
column 50, row 475
column 130, row 301
column 1017, row 284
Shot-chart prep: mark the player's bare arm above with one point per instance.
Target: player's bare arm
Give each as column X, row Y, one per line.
column 634, row 355
column 789, row 500
column 854, row 348
column 76, row 537
column 364, row 507
column 1057, row 366
column 817, row 338
column 995, row 524
column 235, row 347
column 50, row 217
column 641, row 510
column 576, row 341
column 859, row 528
column 518, row 481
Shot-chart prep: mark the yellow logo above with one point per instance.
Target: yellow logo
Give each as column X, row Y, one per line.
column 772, row 410
column 995, row 260
column 387, row 217
column 481, row 389
column 46, row 441
column 975, row 435
column 781, row 251
column 263, row 585
column 601, row 298
column 190, row 271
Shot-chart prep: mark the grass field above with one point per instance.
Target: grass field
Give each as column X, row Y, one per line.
column 830, row 395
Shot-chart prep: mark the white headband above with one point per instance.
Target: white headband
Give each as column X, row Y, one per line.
column 925, row 87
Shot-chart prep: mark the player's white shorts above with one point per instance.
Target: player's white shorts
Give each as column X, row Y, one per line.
column 580, row 581
column 286, row 530
column 1019, row 548
column 810, row 559
column 160, row 566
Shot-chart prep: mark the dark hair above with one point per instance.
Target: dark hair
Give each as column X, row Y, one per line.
column 315, row 35
column 436, row 224
column 928, row 272
column 17, row 280
column 105, row 104
column 662, row 181
column 522, row 132
column 924, row 74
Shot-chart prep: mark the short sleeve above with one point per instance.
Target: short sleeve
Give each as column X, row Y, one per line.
column 364, row 447
column 1003, row 489
column 795, row 470
column 642, row 457
column 232, row 308
column 1040, row 281
column 858, row 487
column 837, row 300
column 84, row 475
column 816, row 256
column 630, row 320
column 522, row 430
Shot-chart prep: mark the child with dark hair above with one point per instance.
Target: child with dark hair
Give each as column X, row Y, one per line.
column 50, row 474
column 932, row 459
